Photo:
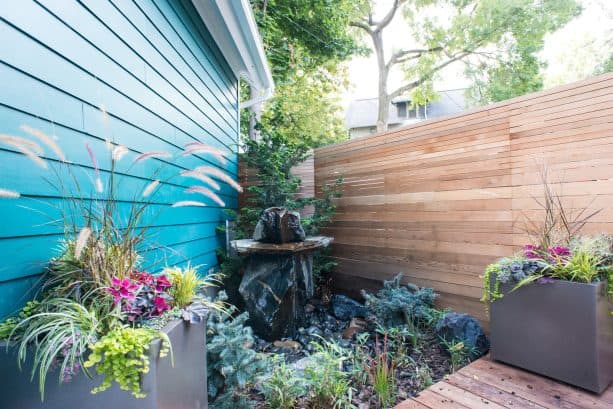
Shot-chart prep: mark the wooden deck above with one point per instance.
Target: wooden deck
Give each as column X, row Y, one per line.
column 492, row 385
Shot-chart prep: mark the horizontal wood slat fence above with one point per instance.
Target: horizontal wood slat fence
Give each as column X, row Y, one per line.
column 440, row 200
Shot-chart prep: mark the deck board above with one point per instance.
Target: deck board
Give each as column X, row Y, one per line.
column 488, row 384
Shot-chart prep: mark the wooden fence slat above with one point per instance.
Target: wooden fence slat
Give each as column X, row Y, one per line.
column 441, row 199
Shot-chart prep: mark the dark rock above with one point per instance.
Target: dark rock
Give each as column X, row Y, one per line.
column 278, row 225
column 344, row 308
column 455, row 327
column 275, row 289
column 313, row 330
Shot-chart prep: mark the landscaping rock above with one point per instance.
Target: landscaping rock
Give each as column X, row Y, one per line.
column 300, row 365
column 279, row 225
column 462, row 327
column 275, row 289
column 344, row 308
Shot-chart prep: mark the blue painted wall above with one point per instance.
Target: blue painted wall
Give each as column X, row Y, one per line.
column 145, row 74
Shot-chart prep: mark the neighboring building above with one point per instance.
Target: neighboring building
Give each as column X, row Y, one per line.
column 361, row 115
column 148, row 75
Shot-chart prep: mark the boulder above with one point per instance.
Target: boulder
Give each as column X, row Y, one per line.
column 275, row 288
column 278, row 225
column 454, row 327
column 344, row 308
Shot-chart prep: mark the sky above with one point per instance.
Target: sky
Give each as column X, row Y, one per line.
column 571, row 53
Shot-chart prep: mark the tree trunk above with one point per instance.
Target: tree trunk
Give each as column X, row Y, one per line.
column 383, row 97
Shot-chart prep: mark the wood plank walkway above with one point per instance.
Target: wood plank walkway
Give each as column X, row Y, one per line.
column 492, row 385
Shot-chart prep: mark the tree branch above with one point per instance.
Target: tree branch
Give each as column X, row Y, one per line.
column 401, row 56
column 363, row 25
column 407, row 87
column 380, row 25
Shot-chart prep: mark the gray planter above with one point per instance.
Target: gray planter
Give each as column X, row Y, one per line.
column 180, row 387
column 562, row 330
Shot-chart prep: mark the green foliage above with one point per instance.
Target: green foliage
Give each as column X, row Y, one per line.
column 306, row 34
column 305, row 42
column 121, row 356
column 306, row 109
column 423, row 377
column 329, row 385
column 401, row 337
column 232, row 364
column 187, row 285
column 273, row 156
column 58, row 332
column 514, row 32
column 283, row 388
column 581, row 266
column 491, row 285
column 395, row 305
column 8, row 325
column 459, row 351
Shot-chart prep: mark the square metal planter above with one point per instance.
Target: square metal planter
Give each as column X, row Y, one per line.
column 562, row 330
column 180, row 387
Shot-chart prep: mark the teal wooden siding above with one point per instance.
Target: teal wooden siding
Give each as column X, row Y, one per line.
column 153, row 68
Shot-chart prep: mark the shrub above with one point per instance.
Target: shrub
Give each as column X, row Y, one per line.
column 395, row 305
column 121, row 356
column 233, row 365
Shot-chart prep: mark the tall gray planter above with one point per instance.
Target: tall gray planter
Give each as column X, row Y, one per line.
column 180, row 387
column 562, row 330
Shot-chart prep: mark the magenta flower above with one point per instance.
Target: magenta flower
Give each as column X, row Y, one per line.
column 531, row 251
column 559, row 252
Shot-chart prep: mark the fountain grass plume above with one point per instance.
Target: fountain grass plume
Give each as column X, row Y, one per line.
column 201, row 177
column 210, row 170
column 46, row 139
column 206, row 192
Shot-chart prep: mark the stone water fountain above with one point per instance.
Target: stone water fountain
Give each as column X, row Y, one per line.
column 278, row 278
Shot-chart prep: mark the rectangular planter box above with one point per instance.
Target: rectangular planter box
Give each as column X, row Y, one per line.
column 562, row 330
column 180, row 387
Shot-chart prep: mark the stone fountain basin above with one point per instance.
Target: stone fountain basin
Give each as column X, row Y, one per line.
column 249, row 246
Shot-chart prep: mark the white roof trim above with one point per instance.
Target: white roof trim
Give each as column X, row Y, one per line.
column 232, row 26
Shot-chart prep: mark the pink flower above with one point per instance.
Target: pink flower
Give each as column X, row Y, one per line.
column 531, row 251
column 559, row 251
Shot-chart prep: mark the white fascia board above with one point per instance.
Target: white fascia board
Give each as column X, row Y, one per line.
column 233, row 27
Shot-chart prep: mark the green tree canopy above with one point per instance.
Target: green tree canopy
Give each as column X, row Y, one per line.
column 496, row 39
column 305, row 42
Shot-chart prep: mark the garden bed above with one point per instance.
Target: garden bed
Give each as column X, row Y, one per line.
column 347, row 355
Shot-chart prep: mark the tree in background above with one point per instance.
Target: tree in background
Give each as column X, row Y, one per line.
column 305, row 42
column 496, row 39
